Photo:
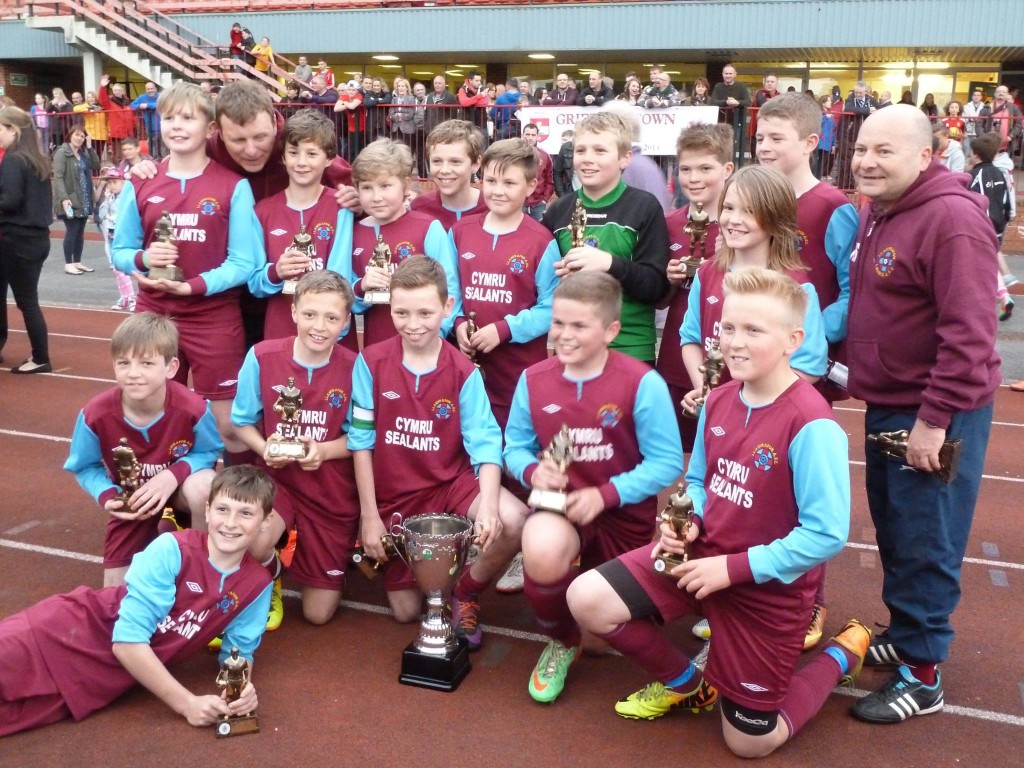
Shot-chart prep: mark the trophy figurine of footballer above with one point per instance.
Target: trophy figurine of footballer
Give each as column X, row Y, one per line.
column 435, row 549
column 560, row 452
column 471, row 328
column 697, row 225
column 711, row 368
column 129, row 472
column 233, row 677
column 303, row 243
column 288, row 406
column 894, row 444
column 381, row 259
column 678, row 513
column 165, row 234
column 578, row 225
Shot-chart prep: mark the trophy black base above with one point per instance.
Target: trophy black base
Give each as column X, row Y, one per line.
column 237, row 726
column 440, row 673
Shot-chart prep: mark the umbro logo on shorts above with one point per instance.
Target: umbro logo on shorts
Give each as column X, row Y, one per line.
column 717, row 431
column 193, row 587
column 278, row 232
column 391, row 395
column 335, row 572
column 228, row 383
column 553, row 408
column 754, row 687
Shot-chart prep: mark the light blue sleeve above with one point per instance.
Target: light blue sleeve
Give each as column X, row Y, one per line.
column 660, row 447
column 339, row 260
column 481, row 434
column 839, row 238
column 260, row 284
column 362, row 434
column 697, row 469
column 246, row 630
column 247, row 408
column 533, row 322
column 689, row 331
column 811, row 357
column 521, row 444
column 152, row 581
column 86, row 460
column 818, row 455
column 441, row 248
column 128, row 235
column 245, row 244
column 208, row 445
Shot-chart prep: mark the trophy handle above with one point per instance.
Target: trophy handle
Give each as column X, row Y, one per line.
column 398, row 536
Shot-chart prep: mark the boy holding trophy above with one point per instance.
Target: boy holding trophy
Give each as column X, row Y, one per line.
column 623, row 451
column 292, row 410
column 152, row 423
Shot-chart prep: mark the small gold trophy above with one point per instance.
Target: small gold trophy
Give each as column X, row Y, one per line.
column 560, row 452
column 894, row 444
column 381, row 259
column 303, row 243
column 712, row 368
column 578, row 225
column 471, row 328
column 697, row 225
column 678, row 513
column 286, row 443
column 165, row 234
column 233, row 677
column 368, row 566
column 129, row 472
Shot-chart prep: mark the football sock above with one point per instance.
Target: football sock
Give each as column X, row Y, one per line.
column 643, row 642
column 924, row 673
column 551, row 608
column 810, row 687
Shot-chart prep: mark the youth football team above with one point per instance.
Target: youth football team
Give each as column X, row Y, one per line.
column 442, row 414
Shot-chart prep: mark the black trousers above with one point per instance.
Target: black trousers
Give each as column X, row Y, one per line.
column 21, row 263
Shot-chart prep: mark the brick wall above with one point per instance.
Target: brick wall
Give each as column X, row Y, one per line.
column 23, row 95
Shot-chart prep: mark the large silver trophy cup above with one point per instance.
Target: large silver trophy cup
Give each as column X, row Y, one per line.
column 435, row 548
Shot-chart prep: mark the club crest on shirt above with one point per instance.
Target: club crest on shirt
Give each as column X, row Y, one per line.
column 179, row 448
column 227, row 603
column 443, row 408
column 764, row 457
column 336, row 398
column 801, row 240
column 208, row 206
column 404, row 250
column 592, row 240
column 323, row 230
column 517, row 264
column 608, row 415
column 885, row 262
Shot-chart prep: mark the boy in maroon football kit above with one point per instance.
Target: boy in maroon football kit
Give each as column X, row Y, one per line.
column 506, row 265
column 454, row 148
column 316, row 493
column 704, row 155
column 212, row 240
column 169, row 429
column 770, row 491
column 381, row 175
column 423, row 439
column 310, row 146
column 73, row 654
column 787, row 137
column 624, row 451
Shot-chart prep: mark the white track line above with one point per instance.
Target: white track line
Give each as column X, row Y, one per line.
column 972, row 712
column 68, row 336
column 855, row 463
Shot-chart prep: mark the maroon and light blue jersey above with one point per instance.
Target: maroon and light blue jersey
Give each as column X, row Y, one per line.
column 430, row 204
column 410, row 234
column 703, row 319
column 624, row 444
column 330, row 227
column 175, row 600
column 183, row 439
column 326, row 397
column 425, row 428
column 214, row 222
column 508, row 280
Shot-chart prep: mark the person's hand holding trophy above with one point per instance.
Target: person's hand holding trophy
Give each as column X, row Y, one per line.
column 549, row 478
column 678, row 532
column 376, row 283
column 711, row 371
column 238, row 693
column 581, row 256
column 286, row 445
column 161, row 257
column 295, row 261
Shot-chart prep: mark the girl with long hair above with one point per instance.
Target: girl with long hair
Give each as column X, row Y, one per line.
column 25, row 218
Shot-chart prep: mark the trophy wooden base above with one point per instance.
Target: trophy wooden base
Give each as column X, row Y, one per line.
column 237, row 726
column 286, row 449
column 440, row 673
column 664, row 563
column 548, row 501
column 166, row 273
column 377, row 297
column 288, row 287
